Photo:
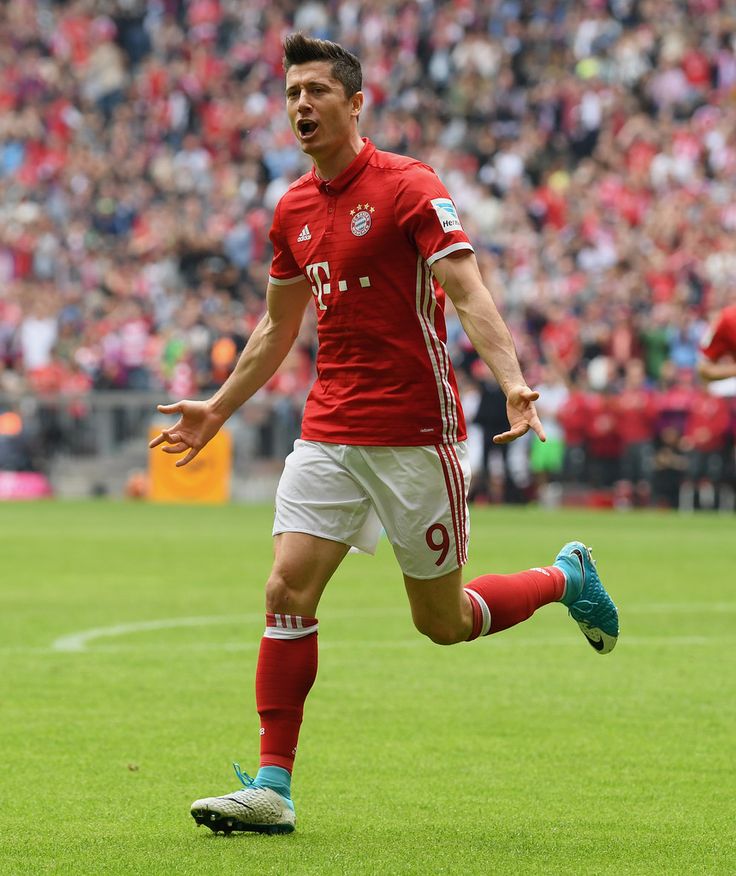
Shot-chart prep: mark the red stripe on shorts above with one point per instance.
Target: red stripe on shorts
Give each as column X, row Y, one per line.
column 452, row 453
column 451, row 484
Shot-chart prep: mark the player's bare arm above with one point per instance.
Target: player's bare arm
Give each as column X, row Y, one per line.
column 199, row 421
column 460, row 277
column 710, row 371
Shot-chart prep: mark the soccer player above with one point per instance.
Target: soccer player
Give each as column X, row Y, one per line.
column 374, row 241
column 718, row 360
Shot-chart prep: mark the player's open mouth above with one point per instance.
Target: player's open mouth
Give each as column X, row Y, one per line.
column 306, row 128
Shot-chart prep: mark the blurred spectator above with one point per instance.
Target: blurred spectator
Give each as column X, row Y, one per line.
column 706, row 440
column 636, row 415
column 491, row 475
column 603, row 444
column 573, row 417
column 670, row 466
column 547, row 458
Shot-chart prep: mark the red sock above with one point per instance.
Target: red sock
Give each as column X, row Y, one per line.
column 287, row 667
column 500, row 601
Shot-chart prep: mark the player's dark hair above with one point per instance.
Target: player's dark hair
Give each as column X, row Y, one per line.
column 299, row 49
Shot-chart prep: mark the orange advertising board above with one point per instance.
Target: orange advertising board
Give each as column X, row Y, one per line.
column 205, row 479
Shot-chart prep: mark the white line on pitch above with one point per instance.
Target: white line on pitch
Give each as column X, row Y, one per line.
column 79, row 641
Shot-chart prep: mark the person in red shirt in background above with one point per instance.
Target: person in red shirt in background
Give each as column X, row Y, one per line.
column 706, row 439
column 560, row 339
column 674, row 396
column 603, row 439
column 573, row 417
column 62, row 387
column 636, row 417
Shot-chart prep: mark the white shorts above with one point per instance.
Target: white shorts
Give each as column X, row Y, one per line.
column 347, row 493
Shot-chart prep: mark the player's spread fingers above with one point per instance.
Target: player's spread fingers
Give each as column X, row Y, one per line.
column 188, row 458
column 176, row 448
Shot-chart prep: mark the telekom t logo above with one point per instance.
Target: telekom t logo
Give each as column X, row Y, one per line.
column 317, row 273
column 319, row 276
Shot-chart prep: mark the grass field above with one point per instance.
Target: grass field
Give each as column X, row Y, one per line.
column 128, row 636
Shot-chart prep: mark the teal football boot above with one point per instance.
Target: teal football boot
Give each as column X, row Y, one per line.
column 586, row 598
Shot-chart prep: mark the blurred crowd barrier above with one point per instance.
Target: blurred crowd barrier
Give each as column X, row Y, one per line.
column 669, row 447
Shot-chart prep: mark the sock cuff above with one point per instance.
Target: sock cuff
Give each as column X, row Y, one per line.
column 485, row 614
column 289, row 626
column 559, row 576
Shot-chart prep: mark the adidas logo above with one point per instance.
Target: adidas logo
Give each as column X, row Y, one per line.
column 304, row 234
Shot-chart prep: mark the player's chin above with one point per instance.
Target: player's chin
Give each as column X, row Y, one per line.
column 305, row 146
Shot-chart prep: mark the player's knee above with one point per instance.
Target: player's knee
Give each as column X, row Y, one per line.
column 281, row 592
column 290, row 593
column 440, row 632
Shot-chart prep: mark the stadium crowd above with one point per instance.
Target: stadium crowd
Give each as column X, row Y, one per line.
column 590, row 148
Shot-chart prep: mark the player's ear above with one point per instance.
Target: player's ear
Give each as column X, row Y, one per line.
column 356, row 103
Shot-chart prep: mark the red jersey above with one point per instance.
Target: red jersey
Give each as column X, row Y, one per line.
column 636, row 415
column 721, row 341
column 366, row 241
column 708, row 422
column 573, row 417
column 602, row 436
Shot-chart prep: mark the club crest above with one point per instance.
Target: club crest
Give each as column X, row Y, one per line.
column 361, row 220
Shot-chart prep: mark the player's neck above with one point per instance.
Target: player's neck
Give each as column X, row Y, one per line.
column 332, row 165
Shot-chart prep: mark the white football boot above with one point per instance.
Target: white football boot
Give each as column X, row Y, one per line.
column 260, row 810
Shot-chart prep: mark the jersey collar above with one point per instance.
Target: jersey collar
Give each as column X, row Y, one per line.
column 343, row 180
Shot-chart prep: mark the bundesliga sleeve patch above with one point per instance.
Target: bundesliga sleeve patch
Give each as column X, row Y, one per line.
column 447, row 214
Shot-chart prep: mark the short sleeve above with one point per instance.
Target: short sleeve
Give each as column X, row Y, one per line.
column 426, row 213
column 284, row 270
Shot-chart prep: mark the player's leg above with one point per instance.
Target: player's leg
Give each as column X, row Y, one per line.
column 302, row 566
column 447, row 612
column 315, row 526
column 440, row 608
column 287, row 659
column 285, row 673
column 420, row 494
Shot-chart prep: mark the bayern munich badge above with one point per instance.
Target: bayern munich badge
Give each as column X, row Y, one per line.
column 360, row 222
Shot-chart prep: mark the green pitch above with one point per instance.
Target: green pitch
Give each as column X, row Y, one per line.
column 128, row 637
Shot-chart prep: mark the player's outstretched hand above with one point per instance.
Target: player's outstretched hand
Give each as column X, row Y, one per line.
column 522, row 415
column 196, row 425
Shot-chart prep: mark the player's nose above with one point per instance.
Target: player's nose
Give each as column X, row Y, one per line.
column 303, row 100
